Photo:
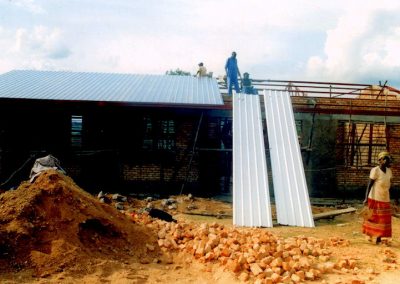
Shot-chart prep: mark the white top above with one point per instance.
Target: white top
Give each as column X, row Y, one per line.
column 381, row 186
column 202, row 71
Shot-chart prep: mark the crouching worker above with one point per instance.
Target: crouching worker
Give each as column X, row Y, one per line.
column 247, row 85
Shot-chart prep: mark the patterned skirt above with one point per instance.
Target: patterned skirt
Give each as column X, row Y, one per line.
column 380, row 222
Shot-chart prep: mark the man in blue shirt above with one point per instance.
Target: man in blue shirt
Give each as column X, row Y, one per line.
column 232, row 72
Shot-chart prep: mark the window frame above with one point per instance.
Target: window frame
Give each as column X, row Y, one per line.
column 76, row 131
column 361, row 142
column 159, row 134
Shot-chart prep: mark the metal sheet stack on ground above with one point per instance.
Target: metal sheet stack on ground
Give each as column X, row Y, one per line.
column 290, row 187
column 251, row 204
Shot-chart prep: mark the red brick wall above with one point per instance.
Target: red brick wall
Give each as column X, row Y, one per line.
column 353, row 179
column 176, row 170
column 346, row 105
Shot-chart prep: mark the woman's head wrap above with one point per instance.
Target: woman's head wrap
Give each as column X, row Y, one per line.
column 383, row 154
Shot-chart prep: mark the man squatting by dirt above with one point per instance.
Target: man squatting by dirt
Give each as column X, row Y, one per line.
column 379, row 222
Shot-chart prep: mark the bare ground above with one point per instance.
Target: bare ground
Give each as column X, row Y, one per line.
column 70, row 254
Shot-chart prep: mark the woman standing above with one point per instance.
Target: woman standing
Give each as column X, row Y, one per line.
column 379, row 223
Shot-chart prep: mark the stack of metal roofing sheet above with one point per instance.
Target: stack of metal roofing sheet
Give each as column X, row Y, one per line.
column 251, row 204
column 290, row 187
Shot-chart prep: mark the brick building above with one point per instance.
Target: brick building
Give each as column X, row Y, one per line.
column 113, row 132
column 341, row 133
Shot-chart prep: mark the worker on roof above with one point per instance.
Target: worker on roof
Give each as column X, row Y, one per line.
column 232, row 72
column 202, row 71
column 247, row 85
column 378, row 222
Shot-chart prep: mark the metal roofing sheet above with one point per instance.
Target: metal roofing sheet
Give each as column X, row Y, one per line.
column 290, row 187
column 109, row 87
column 251, row 204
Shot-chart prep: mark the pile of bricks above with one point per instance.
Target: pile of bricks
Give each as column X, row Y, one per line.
column 253, row 253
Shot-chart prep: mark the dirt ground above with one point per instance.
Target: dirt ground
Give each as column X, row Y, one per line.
column 51, row 231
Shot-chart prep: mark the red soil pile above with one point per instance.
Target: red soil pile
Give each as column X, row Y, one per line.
column 52, row 225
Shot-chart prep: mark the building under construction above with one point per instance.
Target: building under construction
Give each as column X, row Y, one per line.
column 173, row 134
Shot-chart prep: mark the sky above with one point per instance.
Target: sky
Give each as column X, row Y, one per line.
column 352, row 41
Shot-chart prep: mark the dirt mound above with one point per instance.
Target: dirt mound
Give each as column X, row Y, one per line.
column 52, row 225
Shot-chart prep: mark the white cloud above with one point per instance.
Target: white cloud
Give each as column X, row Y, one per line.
column 364, row 45
column 176, row 34
column 37, row 48
column 315, row 40
column 41, row 42
column 29, row 5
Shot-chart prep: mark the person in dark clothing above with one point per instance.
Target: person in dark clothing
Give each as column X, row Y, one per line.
column 247, row 85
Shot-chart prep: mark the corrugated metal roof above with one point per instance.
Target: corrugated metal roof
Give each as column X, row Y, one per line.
column 251, row 204
column 109, row 87
column 290, row 187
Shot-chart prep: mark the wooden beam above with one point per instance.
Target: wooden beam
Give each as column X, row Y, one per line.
column 333, row 213
column 208, row 214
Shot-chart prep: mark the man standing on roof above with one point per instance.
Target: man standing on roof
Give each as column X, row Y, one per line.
column 232, row 72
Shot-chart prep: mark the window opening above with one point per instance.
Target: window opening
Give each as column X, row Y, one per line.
column 76, row 131
column 299, row 131
column 226, row 133
column 148, row 134
column 159, row 134
column 362, row 143
column 167, row 135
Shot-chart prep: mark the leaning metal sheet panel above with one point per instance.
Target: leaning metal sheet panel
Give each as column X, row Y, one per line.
column 290, row 187
column 251, row 204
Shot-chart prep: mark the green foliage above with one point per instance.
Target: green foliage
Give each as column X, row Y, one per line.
column 178, row 72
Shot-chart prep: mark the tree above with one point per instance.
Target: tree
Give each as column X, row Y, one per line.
column 178, row 72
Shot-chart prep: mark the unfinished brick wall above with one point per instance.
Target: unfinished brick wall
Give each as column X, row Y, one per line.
column 354, row 180
column 394, row 147
column 350, row 182
column 148, row 172
column 346, row 105
column 173, row 171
